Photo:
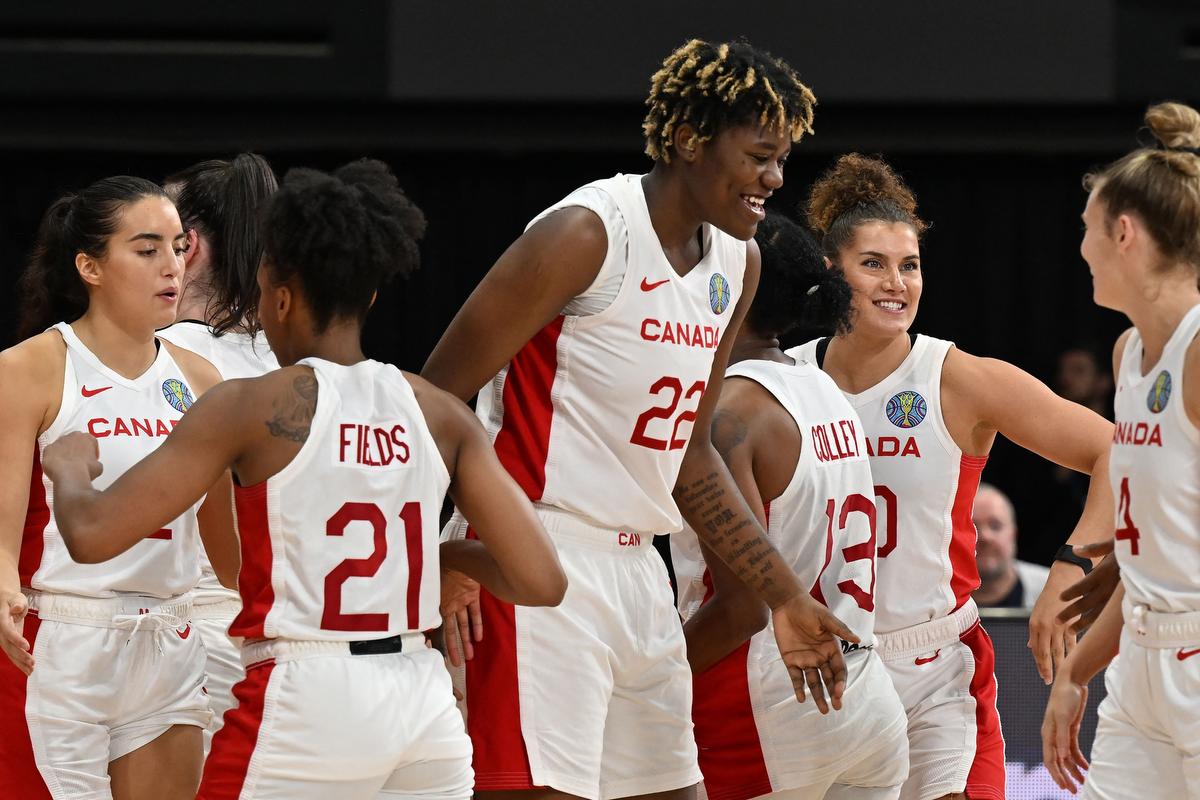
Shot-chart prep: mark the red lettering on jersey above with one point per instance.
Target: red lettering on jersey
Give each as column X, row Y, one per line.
column 629, row 539
column 820, row 444
column 120, row 428
column 691, row 335
column 95, row 431
column 160, row 428
column 1137, row 433
column 101, row 427
column 373, row 447
column 885, row 446
column 142, row 425
column 848, row 435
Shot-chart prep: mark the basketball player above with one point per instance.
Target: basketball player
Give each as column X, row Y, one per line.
column 796, row 449
column 601, row 335
column 930, row 413
column 218, row 203
column 102, row 691
column 1142, row 245
column 342, row 466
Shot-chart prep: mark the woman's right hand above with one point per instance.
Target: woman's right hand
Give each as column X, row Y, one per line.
column 14, row 606
column 1060, row 733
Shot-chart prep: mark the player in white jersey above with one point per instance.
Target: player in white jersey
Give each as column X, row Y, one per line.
column 102, row 689
column 600, row 340
column 1142, row 245
column 218, row 203
column 342, row 466
column 930, row 413
column 796, row 449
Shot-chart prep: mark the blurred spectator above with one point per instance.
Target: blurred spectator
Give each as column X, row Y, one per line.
column 1082, row 378
column 1005, row 582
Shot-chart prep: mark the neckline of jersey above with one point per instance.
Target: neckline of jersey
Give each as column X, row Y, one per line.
column 73, row 342
column 1172, row 342
column 708, row 237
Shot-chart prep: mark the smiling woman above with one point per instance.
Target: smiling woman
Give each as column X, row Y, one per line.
column 931, row 413
column 600, row 387
column 105, row 274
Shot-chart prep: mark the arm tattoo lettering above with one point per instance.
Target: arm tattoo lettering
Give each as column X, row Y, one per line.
column 293, row 411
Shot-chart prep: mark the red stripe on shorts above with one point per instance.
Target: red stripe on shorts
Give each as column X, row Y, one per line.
column 985, row 781
column 731, row 756
column 965, row 577
column 523, row 441
column 500, row 759
column 254, row 579
column 233, row 746
column 18, row 769
column 37, row 517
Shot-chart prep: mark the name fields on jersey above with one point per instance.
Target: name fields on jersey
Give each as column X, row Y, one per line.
column 372, row 446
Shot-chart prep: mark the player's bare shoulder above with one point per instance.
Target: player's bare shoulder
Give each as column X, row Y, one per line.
column 199, row 371
column 31, row 374
column 451, row 421
column 748, row 413
column 287, row 399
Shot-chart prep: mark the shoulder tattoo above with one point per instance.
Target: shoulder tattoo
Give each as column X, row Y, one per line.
column 293, row 410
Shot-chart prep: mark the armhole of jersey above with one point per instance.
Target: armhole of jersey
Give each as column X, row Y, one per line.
column 615, row 263
column 66, row 403
column 819, row 353
column 753, row 373
column 426, row 434
column 943, row 430
column 1185, row 422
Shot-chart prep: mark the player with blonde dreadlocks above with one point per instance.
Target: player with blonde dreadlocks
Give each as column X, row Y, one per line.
column 600, row 339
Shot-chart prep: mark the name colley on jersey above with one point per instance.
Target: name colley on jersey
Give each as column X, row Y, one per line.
column 372, row 446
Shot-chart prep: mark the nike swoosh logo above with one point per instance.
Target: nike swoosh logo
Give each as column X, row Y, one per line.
column 1183, row 655
column 86, row 392
column 186, row 632
column 921, row 661
column 647, row 286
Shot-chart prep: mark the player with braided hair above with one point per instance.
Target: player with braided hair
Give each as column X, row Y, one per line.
column 931, row 413
column 1142, row 244
column 342, row 466
column 600, row 340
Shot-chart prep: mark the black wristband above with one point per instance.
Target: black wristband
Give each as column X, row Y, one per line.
column 1067, row 553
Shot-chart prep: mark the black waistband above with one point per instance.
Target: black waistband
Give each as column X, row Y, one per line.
column 378, row 647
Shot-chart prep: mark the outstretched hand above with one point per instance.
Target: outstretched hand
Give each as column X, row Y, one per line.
column 70, row 452
column 1093, row 591
column 1060, row 734
column 807, row 635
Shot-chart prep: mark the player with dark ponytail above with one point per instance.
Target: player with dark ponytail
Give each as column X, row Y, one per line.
column 342, row 465
column 103, row 683
column 219, row 203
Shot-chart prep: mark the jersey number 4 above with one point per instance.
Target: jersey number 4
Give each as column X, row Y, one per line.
column 333, row 618
column 675, row 389
column 1127, row 530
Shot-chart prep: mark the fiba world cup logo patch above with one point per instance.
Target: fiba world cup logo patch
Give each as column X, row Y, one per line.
column 906, row 409
column 1160, row 392
column 177, row 394
column 718, row 293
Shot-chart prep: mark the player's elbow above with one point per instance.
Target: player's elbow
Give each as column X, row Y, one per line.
column 82, row 542
column 553, row 587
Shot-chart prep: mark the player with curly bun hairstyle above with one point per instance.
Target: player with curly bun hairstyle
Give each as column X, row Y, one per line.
column 600, row 340
column 1142, row 245
column 796, row 449
column 342, row 465
column 930, row 413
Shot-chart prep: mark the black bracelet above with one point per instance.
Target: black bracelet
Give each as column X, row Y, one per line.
column 1067, row 553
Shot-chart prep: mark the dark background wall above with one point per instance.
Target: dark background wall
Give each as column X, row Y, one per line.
column 489, row 112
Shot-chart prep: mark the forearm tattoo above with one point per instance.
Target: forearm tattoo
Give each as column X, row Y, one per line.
column 293, row 411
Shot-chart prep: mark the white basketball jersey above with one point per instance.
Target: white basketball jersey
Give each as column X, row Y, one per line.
column 130, row 419
column 924, row 490
column 592, row 416
column 342, row 543
column 824, row 522
column 1155, row 471
column 235, row 355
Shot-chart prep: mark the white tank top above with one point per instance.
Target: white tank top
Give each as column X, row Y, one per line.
column 130, row 419
column 235, row 355
column 924, row 490
column 342, row 543
column 824, row 522
column 592, row 416
column 1155, row 471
